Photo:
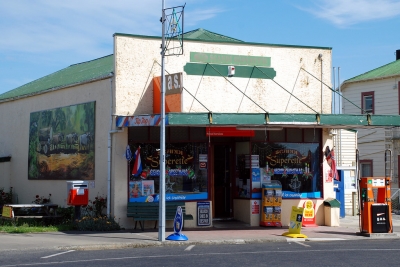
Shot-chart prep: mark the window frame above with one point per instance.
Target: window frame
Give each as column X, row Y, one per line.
column 367, row 161
column 363, row 95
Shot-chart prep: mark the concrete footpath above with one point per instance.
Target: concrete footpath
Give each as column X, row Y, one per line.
column 221, row 233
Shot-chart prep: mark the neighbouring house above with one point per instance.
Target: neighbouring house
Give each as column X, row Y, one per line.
column 376, row 92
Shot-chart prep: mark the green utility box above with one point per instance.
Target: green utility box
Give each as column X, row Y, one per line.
column 332, row 212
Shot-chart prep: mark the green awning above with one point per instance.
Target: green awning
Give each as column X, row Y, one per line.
column 338, row 121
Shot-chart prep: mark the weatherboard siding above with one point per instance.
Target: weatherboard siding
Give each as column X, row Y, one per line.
column 385, row 96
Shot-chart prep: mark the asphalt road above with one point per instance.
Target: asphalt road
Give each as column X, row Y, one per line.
column 383, row 252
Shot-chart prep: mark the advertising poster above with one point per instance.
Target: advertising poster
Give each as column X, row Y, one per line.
column 255, row 207
column 295, row 165
column 203, row 214
column 184, row 178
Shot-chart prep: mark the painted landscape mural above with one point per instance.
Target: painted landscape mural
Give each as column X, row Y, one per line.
column 61, row 143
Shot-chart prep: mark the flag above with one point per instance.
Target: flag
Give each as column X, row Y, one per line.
column 333, row 166
column 137, row 166
column 330, row 159
column 128, row 153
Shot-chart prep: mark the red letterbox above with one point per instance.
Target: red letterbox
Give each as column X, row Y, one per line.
column 78, row 193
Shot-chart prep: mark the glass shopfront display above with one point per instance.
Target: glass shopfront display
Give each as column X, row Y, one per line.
column 295, row 165
column 185, row 172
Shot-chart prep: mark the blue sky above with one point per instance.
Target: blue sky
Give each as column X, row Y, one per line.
column 43, row 36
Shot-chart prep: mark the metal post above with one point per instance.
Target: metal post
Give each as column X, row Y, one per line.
column 161, row 218
column 340, row 98
column 334, row 92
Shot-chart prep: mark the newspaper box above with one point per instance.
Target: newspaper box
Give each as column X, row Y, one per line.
column 78, row 193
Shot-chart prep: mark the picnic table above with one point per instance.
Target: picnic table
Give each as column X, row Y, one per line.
column 41, row 211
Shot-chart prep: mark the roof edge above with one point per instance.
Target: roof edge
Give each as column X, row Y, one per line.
column 347, row 82
column 56, row 88
column 227, row 42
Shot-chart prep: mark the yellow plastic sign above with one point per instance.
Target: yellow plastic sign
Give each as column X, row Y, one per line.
column 296, row 218
column 7, row 212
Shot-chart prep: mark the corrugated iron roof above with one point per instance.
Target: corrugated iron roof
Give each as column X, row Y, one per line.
column 201, row 34
column 386, row 71
column 74, row 74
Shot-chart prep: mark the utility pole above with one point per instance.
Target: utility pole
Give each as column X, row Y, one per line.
column 161, row 218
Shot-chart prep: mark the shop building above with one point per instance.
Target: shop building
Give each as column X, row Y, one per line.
column 238, row 115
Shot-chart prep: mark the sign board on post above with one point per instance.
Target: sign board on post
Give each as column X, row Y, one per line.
column 203, row 214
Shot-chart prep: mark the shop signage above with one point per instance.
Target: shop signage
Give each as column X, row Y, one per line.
column 230, row 59
column 203, row 213
column 203, row 159
column 173, row 83
column 228, row 131
column 309, row 213
column 173, row 93
column 148, row 120
column 296, row 218
column 175, row 157
column 255, row 207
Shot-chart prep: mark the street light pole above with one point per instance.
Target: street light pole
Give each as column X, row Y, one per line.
column 161, row 218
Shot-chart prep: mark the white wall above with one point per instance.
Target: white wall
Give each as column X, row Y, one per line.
column 15, row 137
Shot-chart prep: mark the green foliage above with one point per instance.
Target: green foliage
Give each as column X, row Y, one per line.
column 94, row 218
column 41, row 199
column 100, row 223
column 67, row 215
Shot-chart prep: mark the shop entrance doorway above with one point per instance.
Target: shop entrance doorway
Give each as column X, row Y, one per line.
column 222, row 181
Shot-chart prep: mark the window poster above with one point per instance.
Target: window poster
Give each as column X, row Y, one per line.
column 185, row 174
column 295, row 165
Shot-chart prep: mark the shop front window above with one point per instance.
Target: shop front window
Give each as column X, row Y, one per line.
column 185, row 173
column 295, row 165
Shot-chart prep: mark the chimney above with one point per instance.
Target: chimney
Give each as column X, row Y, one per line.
column 398, row 54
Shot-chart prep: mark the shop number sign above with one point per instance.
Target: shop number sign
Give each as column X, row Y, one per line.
column 203, row 213
column 174, row 83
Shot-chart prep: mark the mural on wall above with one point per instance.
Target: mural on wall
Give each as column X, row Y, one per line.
column 61, row 143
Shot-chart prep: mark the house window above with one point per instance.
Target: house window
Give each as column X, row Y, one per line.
column 367, row 102
column 366, row 168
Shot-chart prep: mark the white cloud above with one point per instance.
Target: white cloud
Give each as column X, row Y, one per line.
column 349, row 12
column 83, row 26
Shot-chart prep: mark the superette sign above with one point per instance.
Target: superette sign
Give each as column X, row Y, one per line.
column 296, row 166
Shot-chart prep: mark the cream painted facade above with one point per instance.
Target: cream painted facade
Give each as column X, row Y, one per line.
column 15, row 140
column 130, row 92
column 137, row 60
